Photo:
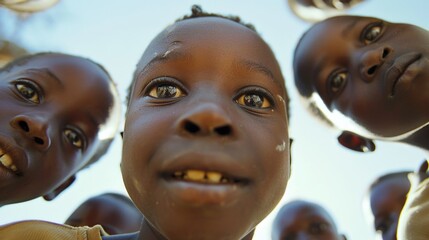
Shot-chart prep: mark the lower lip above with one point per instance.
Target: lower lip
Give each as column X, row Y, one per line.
column 199, row 194
column 408, row 75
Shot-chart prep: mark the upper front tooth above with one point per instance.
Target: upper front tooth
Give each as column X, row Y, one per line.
column 214, row 177
column 194, row 175
column 6, row 160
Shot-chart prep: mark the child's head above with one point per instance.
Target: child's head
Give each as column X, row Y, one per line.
column 361, row 74
column 58, row 113
column 115, row 212
column 206, row 144
column 304, row 220
column 386, row 197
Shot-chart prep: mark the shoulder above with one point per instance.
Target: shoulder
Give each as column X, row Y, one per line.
column 43, row 230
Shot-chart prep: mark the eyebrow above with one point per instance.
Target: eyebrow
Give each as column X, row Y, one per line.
column 257, row 67
column 45, row 72
column 166, row 56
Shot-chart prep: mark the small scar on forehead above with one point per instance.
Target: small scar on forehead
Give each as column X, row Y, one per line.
column 172, row 46
column 281, row 147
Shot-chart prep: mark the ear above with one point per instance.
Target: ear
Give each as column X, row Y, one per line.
column 355, row 142
column 52, row 195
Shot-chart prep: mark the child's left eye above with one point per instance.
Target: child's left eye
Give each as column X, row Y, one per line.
column 254, row 99
column 75, row 138
column 372, row 32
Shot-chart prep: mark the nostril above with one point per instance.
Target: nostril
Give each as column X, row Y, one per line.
column 191, row 127
column 39, row 140
column 223, row 130
column 24, row 126
column 386, row 52
column 372, row 69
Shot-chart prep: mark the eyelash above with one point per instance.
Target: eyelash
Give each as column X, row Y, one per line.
column 164, row 81
column 368, row 29
column 30, row 85
column 262, row 93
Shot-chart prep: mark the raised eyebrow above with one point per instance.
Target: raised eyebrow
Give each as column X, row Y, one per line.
column 257, row 67
column 164, row 57
column 46, row 72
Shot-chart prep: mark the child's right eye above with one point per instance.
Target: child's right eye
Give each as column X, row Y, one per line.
column 164, row 88
column 28, row 90
column 336, row 82
column 371, row 32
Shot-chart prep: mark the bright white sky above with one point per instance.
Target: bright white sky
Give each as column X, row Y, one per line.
column 115, row 33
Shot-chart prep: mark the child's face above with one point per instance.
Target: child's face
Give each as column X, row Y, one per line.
column 371, row 74
column 387, row 199
column 51, row 110
column 301, row 220
column 206, row 153
column 115, row 215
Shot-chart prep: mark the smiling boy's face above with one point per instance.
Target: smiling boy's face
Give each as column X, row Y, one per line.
column 206, row 145
column 371, row 73
column 46, row 135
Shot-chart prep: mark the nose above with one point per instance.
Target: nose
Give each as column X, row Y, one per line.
column 35, row 128
column 371, row 62
column 206, row 119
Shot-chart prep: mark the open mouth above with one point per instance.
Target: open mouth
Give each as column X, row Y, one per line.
column 206, row 177
column 6, row 162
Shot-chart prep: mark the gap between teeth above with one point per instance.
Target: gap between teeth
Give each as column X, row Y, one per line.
column 6, row 161
column 201, row 176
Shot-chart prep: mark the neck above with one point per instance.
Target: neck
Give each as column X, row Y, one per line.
column 419, row 139
column 147, row 232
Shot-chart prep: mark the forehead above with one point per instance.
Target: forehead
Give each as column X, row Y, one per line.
column 211, row 38
column 303, row 212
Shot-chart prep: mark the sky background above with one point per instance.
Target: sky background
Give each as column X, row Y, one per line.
column 115, row 34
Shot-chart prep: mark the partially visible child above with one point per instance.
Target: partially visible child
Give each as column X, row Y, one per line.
column 115, row 212
column 205, row 143
column 369, row 78
column 386, row 198
column 301, row 219
column 59, row 113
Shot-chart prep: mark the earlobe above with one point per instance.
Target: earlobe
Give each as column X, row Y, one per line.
column 355, row 142
column 52, row 195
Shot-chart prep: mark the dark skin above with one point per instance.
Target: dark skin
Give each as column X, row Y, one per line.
column 205, row 151
column 45, row 134
column 386, row 200
column 114, row 214
column 304, row 220
column 370, row 83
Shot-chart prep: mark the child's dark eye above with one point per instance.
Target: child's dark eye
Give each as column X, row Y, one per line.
column 28, row 90
column 75, row 138
column 164, row 88
column 336, row 82
column 371, row 32
column 254, row 98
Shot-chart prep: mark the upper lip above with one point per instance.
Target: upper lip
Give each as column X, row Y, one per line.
column 399, row 66
column 17, row 154
column 218, row 162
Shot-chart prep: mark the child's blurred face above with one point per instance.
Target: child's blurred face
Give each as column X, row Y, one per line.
column 302, row 220
column 114, row 215
column 51, row 110
column 206, row 152
column 371, row 75
column 387, row 199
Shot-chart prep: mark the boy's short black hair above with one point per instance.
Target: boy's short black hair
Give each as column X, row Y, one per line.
column 104, row 144
column 401, row 174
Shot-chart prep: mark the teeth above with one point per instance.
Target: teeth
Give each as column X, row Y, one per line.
column 201, row 176
column 6, row 161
